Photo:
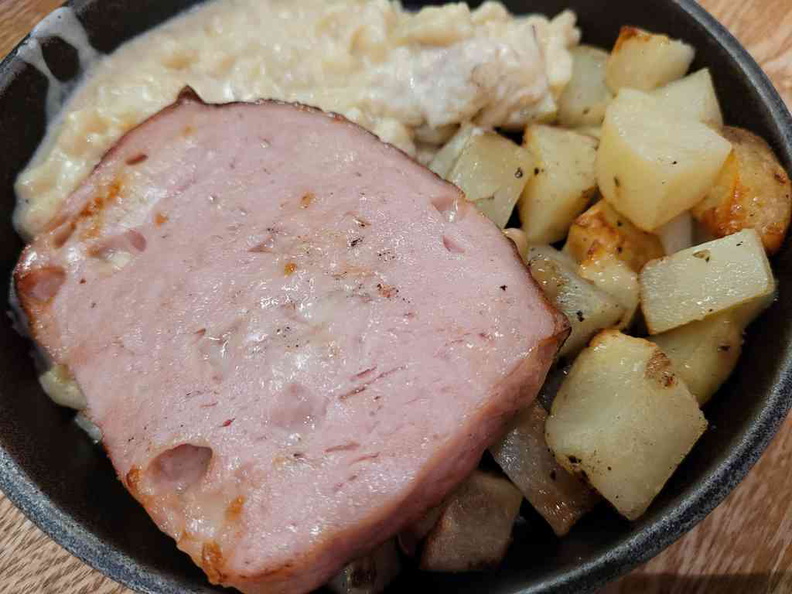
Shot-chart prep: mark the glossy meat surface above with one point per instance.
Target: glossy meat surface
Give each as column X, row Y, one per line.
column 294, row 338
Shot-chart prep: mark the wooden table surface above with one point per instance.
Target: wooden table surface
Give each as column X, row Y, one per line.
column 743, row 547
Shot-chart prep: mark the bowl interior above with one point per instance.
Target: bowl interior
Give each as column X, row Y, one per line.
column 68, row 487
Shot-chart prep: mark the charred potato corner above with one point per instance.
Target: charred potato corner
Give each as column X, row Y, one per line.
column 635, row 165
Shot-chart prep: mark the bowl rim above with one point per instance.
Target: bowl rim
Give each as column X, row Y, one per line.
column 711, row 490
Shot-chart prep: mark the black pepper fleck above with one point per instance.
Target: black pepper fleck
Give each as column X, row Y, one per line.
column 702, row 255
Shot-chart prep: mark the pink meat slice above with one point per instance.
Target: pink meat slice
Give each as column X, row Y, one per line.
column 294, row 339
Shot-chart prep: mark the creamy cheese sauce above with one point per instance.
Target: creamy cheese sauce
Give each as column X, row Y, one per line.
column 62, row 23
column 410, row 78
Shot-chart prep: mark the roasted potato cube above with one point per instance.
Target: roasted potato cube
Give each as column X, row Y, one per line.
column 623, row 420
column 60, row 386
column 370, row 574
column 615, row 277
column 645, row 61
column 561, row 498
column 752, row 190
column 562, row 184
column 677, row 234
column 588, row 308
column 652, row 165
column 703, row 353
column 692, row 96
column 474, row 530
column 586, row 95
column 446, row 157
column 492, row 172
column 601, row 225
column 705, row 280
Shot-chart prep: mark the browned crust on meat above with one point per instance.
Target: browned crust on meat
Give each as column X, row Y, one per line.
column 212, row 562
column 29, row 279
column 234, row 509
column 132, row 481
column 24, row 281
column 25, row 303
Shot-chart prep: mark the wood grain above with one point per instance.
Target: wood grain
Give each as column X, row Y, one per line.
column 743, row 547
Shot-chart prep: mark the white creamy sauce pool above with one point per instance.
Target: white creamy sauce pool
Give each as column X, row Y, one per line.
column 410, row 78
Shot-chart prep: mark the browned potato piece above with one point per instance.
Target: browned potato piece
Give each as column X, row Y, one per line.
column 445, row 158
column 705, row 280
column 523, row 455
column 703, row 353
column 752, row 190
column 475, row 528
column 563, row 183
column 492, row 172
column 602, row 224
column 370, row 574
column 624, row 420
column 645, row 61
column 588, row 308
column 615, row 277
column 653, row 164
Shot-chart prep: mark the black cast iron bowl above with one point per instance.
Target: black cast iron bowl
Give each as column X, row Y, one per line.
column 50, row 470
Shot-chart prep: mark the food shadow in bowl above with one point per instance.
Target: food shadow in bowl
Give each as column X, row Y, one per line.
column 68, row 487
